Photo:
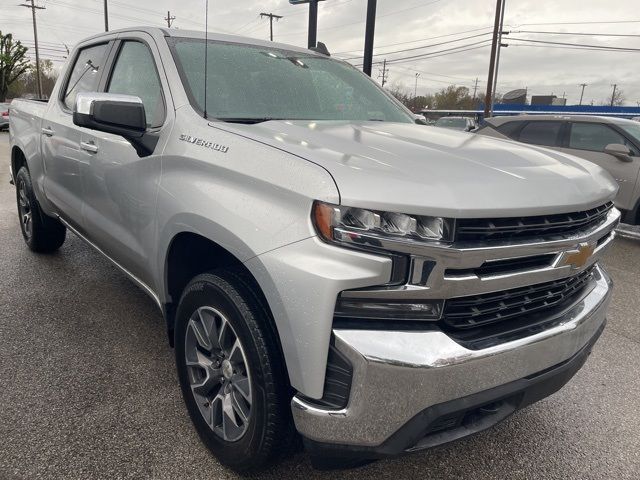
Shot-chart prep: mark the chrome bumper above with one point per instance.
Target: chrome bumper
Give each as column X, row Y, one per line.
column 396, row 375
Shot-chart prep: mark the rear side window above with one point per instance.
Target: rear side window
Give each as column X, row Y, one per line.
column 593, row 136
column 509, row 129
column 135, row 74
column 85, row 74
column 541, row 133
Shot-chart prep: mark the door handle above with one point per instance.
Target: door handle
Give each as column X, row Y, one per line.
column 89, row 147
column 47, row 131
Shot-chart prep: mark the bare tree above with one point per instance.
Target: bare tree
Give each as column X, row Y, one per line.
column 13, row 62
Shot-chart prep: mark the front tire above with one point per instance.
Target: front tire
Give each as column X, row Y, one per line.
column 231, row 373
column 41, row 233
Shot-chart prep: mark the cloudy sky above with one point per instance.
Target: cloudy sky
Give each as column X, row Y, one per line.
column 405, row 28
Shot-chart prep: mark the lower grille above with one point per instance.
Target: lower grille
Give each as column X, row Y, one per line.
column 481, row 310
column 337, row 382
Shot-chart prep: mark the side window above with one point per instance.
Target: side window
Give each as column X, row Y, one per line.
column 593, row 136
column 85, row 74
column 509, row 128
column 541, row 133
column 135, row 74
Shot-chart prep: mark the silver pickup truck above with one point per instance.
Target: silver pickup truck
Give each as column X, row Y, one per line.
column 327, row 268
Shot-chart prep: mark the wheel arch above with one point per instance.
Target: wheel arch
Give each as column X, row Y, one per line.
column 18, row 160
column 191, row 253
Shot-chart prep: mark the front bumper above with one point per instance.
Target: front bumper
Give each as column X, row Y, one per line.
column 398, row 376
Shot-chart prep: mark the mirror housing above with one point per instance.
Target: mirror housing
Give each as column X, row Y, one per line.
column 419, row 119
column 621, row 152
column 111, row 113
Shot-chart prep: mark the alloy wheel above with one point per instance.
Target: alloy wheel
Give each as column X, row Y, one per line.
column 218, row 373
column 24, row 209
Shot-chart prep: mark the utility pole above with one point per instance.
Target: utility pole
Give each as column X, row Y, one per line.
column 313, row 24
column 499, row 48
column 271, row 17
column 33, row 8
column 613, row 95
column 106, row 17
column 475, row 88
column 368, row 36
column 583, row 85
column 384, row 72
column 492, row 60
column 169, row 19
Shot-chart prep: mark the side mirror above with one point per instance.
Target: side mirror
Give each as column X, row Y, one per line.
column 621, row 152
column 112, row 113
column 419, row 119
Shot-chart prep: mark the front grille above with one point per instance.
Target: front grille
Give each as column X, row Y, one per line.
column 490, row 229
column 511, row 265
column 481, row 310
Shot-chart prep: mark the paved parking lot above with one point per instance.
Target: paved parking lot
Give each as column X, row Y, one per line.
column 89, row 390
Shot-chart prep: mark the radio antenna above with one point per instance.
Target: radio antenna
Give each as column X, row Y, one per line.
column 206, row 46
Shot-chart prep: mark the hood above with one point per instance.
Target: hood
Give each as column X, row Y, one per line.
column 415, row 169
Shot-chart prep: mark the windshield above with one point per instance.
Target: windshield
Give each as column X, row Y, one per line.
column 252, row 82
column 452, row 122
column 632, row 129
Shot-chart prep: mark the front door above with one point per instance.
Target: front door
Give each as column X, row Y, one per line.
column 121, row 186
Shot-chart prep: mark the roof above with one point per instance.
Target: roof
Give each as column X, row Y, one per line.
column 536, row 118
column 220, row 37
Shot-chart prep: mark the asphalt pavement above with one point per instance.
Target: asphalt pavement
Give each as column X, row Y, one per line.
column 88, row 387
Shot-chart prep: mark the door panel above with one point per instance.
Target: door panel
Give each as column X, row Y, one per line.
column 121, row 187
column 61, row 139
column 588, row 140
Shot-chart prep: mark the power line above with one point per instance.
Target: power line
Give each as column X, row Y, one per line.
column 590, row 34
column 423, row 46
column 433, row 55
column 602, row 47
column 577, row 23
column 419, row 40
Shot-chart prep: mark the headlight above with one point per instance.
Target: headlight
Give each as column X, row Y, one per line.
column 352, row 225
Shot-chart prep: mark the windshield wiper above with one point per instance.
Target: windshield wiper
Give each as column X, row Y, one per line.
column 248, row 120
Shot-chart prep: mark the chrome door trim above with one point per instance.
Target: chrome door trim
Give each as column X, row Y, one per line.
column 147, row 289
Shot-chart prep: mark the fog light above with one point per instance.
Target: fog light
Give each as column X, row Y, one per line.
column 384, row 309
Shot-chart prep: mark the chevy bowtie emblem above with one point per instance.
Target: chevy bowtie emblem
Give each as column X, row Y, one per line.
column 577, row 258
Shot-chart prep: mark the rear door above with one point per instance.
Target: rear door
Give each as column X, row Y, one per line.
column 61, row 139
column 588, row 140
column 121, row 186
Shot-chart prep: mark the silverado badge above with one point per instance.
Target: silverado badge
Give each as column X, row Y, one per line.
column 204, row 143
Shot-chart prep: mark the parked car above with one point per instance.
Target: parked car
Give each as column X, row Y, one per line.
column 465, row 124
column 4, row 116
column 612, row 143
column 324, row 265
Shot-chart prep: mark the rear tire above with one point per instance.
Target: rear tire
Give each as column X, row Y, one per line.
column 231, row 372
column 41, row 233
